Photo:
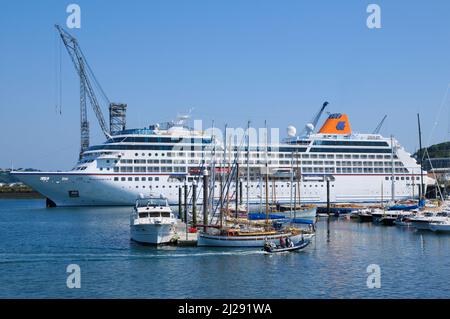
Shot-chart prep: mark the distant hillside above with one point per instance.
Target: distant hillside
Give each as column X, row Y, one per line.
column 435, row 151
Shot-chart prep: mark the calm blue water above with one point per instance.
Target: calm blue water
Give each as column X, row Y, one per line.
column 37, row 244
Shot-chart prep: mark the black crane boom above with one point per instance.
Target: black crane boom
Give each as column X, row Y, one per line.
column 378, row 128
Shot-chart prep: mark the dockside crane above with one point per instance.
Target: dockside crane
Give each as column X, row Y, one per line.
column 309, row 128
column 378, row 128
column 87, row 83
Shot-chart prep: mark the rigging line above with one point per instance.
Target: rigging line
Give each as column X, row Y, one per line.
column 434, row 174
column 438, row 114
column 55, row 72
column 60, row 78
column 230, row 177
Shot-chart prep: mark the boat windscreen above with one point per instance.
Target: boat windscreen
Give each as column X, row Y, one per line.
column 151, row 202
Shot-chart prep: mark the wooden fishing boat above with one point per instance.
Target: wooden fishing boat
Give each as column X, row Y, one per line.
column 256, row 238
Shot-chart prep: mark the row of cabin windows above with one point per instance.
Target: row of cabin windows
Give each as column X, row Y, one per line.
column 338, row 163
column 152, row 161
column 343, row 163
column 402, row 178
column 158, row 139
column 150, row 169
column 369, row 170
column 136, row 179
column 170, row 169
column 350, row 170
column 280, row 155
column 126, row 147
column 172, row 154
column 143, row 179
column 351, row 143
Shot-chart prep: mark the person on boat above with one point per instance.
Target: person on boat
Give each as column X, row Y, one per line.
column 282, row 242
column 288, row 242
column 267, row 244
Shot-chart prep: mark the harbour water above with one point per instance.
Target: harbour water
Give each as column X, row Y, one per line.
column 37, row 244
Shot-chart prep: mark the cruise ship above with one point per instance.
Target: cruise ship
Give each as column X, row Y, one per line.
column 159, row 159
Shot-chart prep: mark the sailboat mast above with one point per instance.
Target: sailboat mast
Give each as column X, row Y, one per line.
column 248, row 166
column 292, row 181
column 267, row 174
column 421, row 192
column 267, row 194
column 299, row 177
column 237, row 184
column 213, row 170
column 393, row 171
column 230, row 176
column 222, row 187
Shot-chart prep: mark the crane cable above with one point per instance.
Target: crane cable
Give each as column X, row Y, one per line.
column 58, row 75
column 438, row 115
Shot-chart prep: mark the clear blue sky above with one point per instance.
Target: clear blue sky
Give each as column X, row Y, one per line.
column 230, row 60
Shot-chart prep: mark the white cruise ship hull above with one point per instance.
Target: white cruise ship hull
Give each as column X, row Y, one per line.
column 152, row 234
column 86, row 189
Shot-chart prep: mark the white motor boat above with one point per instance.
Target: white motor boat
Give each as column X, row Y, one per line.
column 152, row 221
column 423, row 221
column 387, row 217
column 404, row 220
column 441, row 226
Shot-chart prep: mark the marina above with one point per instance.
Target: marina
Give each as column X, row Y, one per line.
column 231, row 152
column 97, row 238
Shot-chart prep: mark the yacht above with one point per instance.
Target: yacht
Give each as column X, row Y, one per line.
column 152, row 221
column 440, row 226
column 423, row 220
column 161, row 158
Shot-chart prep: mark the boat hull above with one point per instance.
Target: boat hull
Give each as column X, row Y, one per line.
column 403, row 223
column 299, row 246
column 102, row 189
column 364, row 218
column 440, row 227
column 152, row 234
column 246, row 241
column 421, row 225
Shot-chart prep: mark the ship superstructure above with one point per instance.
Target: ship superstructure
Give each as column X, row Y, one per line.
column 162, row 158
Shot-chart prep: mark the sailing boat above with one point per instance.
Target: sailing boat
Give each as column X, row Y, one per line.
column 301, row 214
column 247, row 234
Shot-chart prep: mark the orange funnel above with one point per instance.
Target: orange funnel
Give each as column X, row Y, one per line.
column 336, row 124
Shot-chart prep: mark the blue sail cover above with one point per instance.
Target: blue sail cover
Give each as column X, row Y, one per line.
column 302, row 221
column 403, row 207
column 261, row 216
